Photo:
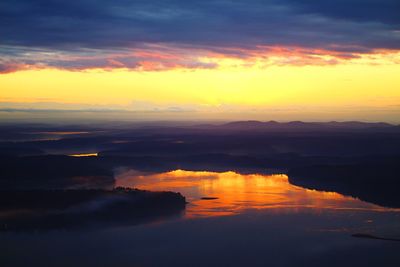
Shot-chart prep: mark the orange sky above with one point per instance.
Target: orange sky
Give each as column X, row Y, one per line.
column 280, row 84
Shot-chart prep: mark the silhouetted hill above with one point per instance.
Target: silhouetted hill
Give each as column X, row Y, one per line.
column 375, row 181
column 52, row 172
column 54, row 209
column 357, row 124
column 305, row 126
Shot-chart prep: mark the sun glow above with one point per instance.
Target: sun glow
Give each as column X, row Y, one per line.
column 236, row 85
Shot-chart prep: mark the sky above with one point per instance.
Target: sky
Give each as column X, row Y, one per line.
column 154, row 60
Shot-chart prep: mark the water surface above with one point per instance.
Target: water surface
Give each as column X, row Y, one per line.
column 228, row 193
column 247, row 220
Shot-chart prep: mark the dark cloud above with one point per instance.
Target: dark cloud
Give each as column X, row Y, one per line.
column 348, row 26
column 386, row 11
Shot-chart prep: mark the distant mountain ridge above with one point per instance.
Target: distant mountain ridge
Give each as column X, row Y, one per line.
column 300, row 125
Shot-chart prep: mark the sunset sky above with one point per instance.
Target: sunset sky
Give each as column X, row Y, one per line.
column 220, row 59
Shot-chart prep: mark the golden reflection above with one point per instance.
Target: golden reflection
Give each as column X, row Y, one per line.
column 84, row 155
column 235, row 192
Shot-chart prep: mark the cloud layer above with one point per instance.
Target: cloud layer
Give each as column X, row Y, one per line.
column 156, row 35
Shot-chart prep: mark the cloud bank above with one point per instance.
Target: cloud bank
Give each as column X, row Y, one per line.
column 159, row 35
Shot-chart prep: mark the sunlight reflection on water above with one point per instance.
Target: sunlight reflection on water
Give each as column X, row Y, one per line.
column 232, row 193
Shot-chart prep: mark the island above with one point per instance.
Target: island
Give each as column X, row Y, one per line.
column 65, row 209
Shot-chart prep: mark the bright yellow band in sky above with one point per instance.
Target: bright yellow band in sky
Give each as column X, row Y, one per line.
column 367, row 82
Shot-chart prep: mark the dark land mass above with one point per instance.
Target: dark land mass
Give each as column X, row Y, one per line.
column 53, row 172
column 368, row 236
column 66, row 209
column 374, row 182
column 353, row 158
column 298, row 126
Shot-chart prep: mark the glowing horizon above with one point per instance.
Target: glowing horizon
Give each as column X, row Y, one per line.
column 363, row 84
column 269, row 60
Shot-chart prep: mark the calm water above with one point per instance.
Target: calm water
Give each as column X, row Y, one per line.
column 251, row 220
column 236, row 193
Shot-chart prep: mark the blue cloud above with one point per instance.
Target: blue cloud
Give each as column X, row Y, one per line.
column 70, row 26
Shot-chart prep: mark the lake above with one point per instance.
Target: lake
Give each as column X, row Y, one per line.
column 231, row 219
